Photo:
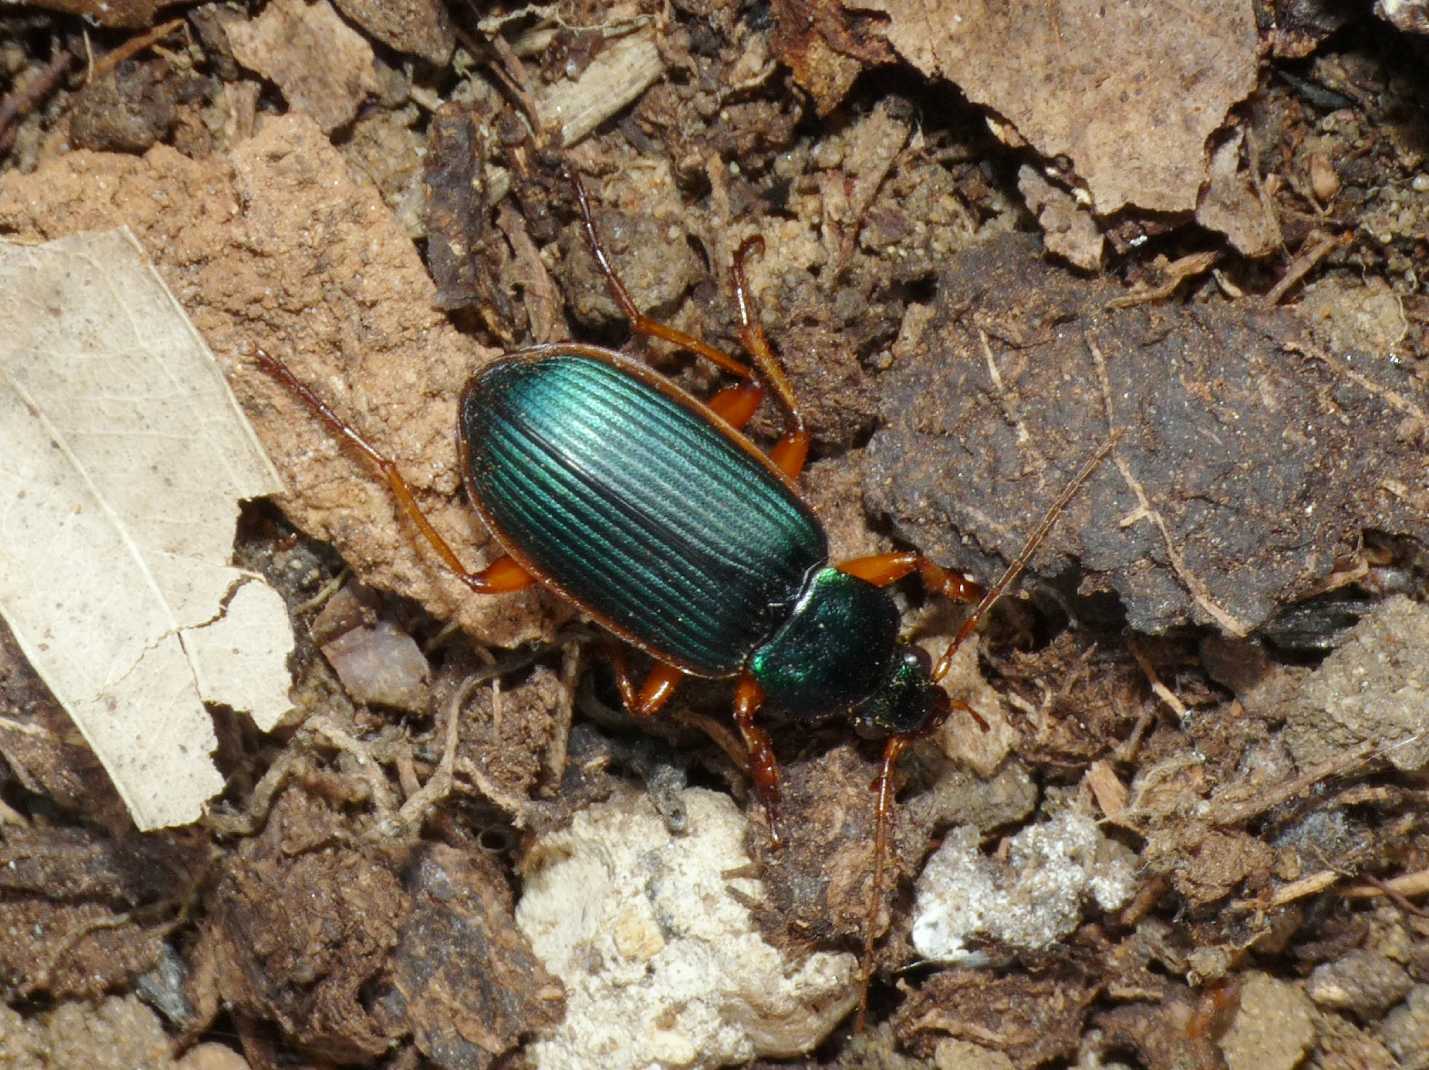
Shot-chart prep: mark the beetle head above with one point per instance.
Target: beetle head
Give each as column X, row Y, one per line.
column 907, row 702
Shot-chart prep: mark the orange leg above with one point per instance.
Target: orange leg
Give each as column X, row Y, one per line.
column 639, row 322
column 763, row 766
column 793, row 448
column 883, row 569
column 736, row 404
column 653, row 695
column 502, row 575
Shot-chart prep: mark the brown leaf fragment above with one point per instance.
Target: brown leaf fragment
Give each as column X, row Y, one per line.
column 825, row 47
column 1068, row 230
column 1129, row 93
column 420, row 27
column 1029, row 1018
column 464, row 977
column 1231, row 205
column 322, row 65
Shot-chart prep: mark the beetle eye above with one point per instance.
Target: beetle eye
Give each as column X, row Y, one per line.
column 916, row 656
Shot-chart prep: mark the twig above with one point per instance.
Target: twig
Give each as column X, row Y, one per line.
column 260, row 803
column 1160, row 690
column 439, row 785
column 1409, row 884
column 1311, row 885
column 1397, row 897
column 133, row 47
column 1301, row 267
column 1006, row 400
column 377, row 786
column 1227, row 810
column 18, row 103
column 1176, row 272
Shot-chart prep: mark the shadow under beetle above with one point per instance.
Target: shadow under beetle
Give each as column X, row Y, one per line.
column 652, row 512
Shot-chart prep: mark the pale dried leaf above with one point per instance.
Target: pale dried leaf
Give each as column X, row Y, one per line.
column 322, row 65
column 126, row 458
column 1128, row 92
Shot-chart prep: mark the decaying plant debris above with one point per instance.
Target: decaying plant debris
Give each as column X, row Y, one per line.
column 1194, row 833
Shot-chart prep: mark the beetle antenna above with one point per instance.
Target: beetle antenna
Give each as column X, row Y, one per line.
column 884, row 786
column 896, row 744
column 1024, row 556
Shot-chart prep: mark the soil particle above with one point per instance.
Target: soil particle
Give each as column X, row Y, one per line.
column 126, row 111
column 300, row 924
column 1363, row 981
column 1243, row 472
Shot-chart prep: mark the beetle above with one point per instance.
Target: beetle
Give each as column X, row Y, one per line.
column 655, row 514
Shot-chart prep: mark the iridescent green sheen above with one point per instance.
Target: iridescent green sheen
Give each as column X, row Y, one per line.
column 636, row 507
column 834, row 651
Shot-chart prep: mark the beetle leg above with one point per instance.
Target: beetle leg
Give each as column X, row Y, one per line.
column 882, row 816
column 883, row 569
column 882, row 820
column 653, row 695
column 792, row 450
column 763, row 766
column 639, row 322
column 503, row 574
column 736, row 404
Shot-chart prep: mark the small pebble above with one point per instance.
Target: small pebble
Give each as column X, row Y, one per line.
column 1405, row 1028
column 1362, row 981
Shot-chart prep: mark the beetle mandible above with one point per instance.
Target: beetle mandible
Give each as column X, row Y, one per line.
column 653, row 513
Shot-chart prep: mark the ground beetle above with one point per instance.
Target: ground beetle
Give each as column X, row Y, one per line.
column 654, row 514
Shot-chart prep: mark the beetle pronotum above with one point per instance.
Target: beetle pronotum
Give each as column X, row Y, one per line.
column 652, row 512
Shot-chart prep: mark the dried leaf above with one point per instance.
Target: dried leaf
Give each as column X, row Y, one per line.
column 1128, row 92
column 126, row 460
column 322, row 65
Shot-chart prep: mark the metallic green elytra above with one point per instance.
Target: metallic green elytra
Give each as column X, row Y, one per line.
column 630, row 498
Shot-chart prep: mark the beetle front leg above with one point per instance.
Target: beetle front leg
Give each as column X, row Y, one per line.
column 763, row 766
column 884, row 569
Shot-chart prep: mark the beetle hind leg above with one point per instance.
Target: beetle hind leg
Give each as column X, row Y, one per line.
column 501, row 576
column 793, row 448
